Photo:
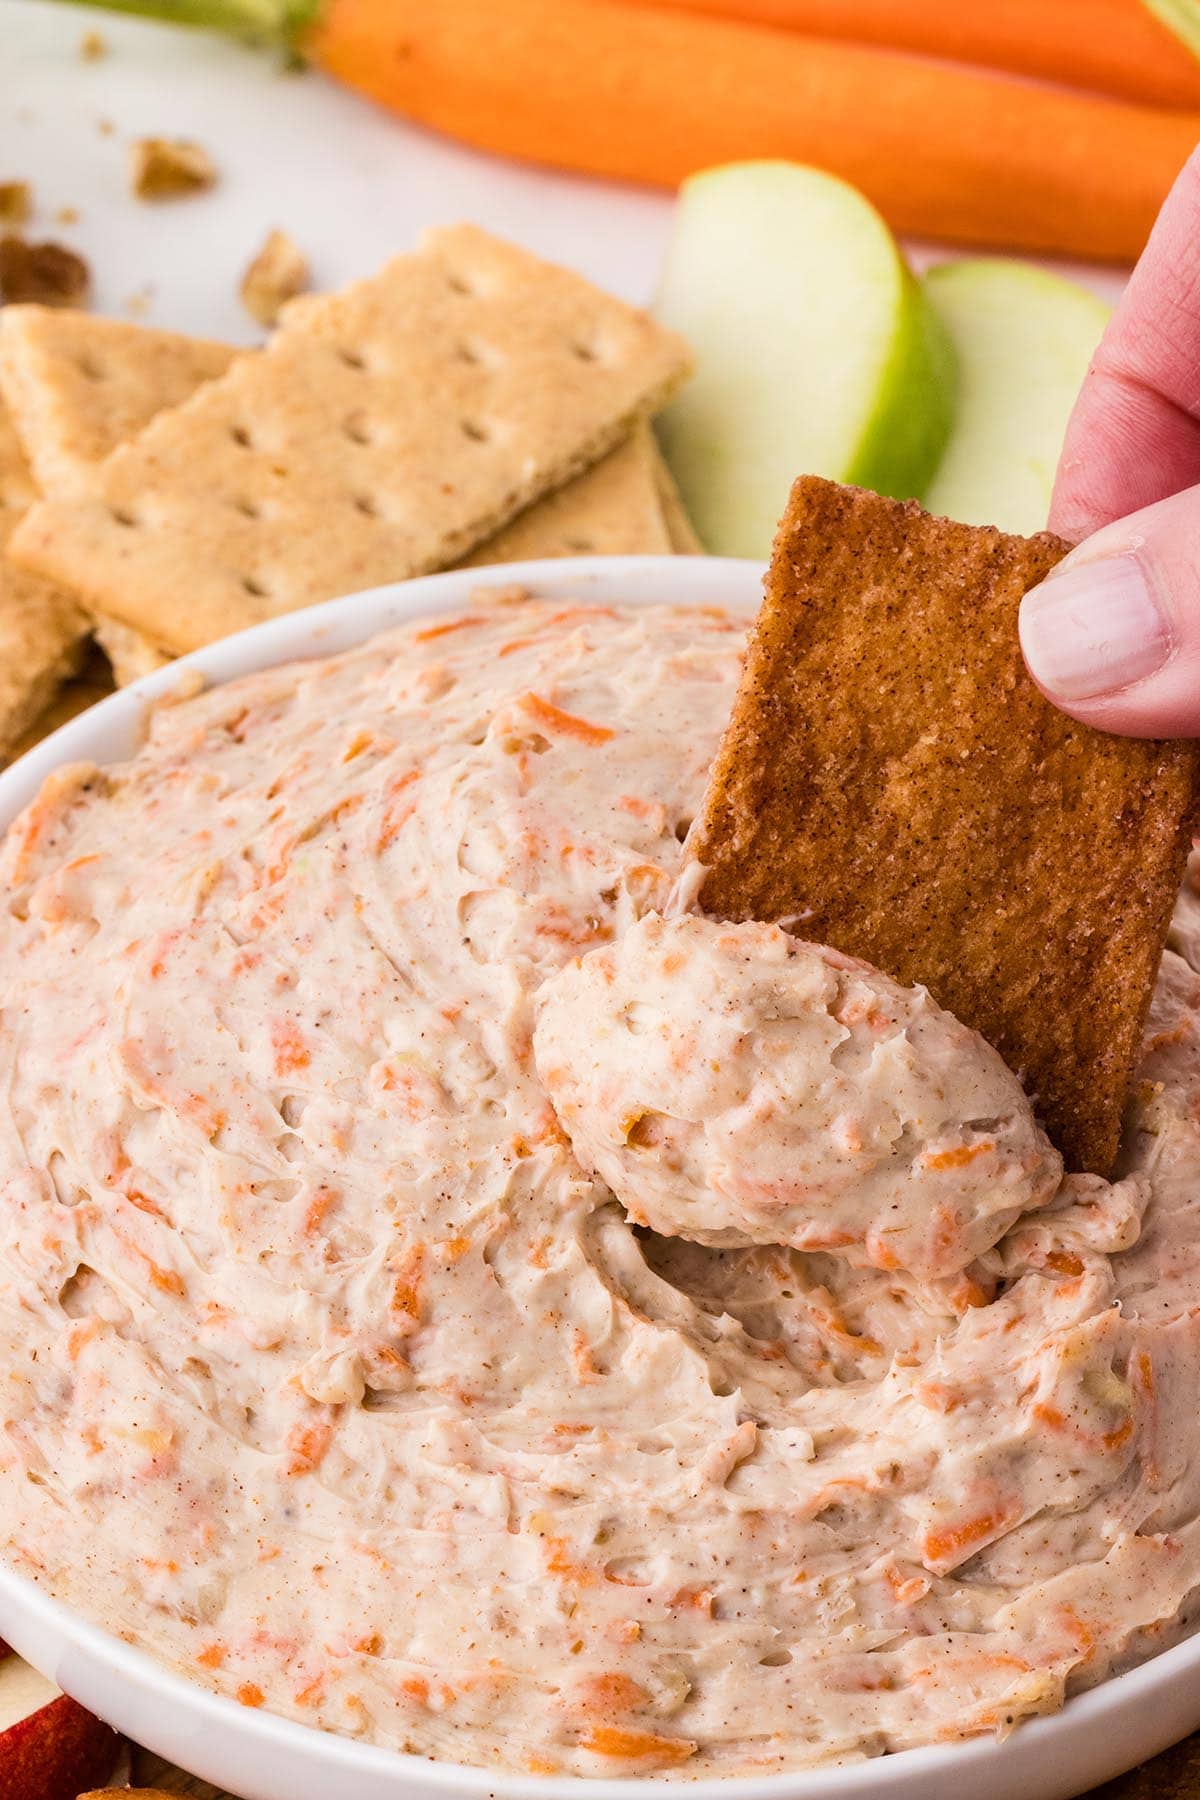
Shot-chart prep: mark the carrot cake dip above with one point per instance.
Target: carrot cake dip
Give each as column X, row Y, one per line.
column 453, row 1296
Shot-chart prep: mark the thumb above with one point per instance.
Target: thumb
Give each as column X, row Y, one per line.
column 1112, row 636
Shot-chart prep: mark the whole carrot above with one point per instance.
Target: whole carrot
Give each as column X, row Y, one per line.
column 1110, row 46
column 649, row 95
column 652, row 96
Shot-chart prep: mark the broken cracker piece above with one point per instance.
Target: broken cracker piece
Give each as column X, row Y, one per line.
column 383, row 432
column 16, row 202
column 169, row 168
column 276, row 275
column 48, row 274
column 892, row 783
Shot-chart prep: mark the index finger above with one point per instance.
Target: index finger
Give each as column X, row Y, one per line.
column 1134, row 434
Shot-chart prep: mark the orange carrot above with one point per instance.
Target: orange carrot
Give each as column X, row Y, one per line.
column 947, row 1546
column 652, row 96
column 636, row 1746
column 1110, row 46
column 565, row 724
column 653, row 91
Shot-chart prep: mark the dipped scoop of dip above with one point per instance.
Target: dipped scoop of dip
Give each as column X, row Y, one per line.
column 736, row 1086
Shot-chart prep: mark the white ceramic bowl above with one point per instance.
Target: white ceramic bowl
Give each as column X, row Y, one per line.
column 261, row 1757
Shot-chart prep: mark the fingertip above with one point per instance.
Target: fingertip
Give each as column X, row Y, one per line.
column 1093, row 629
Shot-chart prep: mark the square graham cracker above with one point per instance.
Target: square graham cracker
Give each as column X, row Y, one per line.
column 383, row 432
column 892, row 783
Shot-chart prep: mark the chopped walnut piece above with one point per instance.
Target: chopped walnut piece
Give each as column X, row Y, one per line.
column 165, row 168
column 16, row 202
column 277, row 274
column 47, row 274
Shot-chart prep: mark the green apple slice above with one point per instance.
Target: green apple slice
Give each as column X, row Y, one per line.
column 1023, row 340
column 1180, row 16
column 816, row 351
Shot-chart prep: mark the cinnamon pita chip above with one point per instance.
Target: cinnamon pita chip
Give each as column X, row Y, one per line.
column 892, row 782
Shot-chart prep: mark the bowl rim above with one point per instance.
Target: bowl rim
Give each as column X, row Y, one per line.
column 108, row 732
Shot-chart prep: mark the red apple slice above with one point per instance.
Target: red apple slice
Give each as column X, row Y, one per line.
column 51, row 1748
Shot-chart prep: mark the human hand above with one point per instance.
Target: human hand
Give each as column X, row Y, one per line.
column 1113, row 635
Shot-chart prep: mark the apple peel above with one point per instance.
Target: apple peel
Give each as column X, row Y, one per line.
column 50, row 1747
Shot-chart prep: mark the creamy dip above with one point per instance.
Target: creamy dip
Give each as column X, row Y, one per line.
column 771, row 1401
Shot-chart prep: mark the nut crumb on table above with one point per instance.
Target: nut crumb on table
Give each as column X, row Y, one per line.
column 47, row 274
column 169, row 168
column 276, row 275
column 16, row 202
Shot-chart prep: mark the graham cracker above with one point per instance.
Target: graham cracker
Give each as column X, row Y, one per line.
column 892, row 782
column 77, row 385
column 613, row 509
column 93, row 683
column 383, row 432
column 43, row 634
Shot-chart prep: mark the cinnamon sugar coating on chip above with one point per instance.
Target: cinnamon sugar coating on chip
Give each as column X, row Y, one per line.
column 893, row 781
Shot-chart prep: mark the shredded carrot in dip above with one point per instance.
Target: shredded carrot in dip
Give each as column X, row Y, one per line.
column 462, row 1298
column 637, row 1746
column 564, row 724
